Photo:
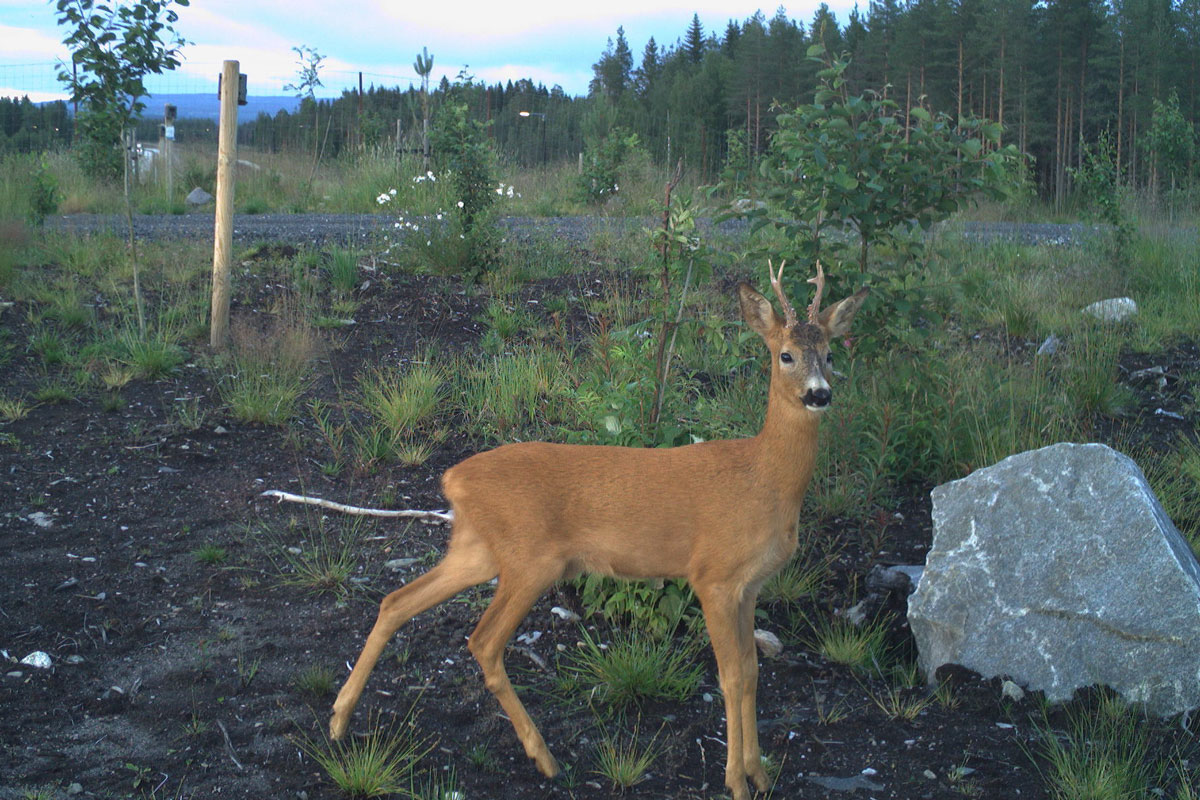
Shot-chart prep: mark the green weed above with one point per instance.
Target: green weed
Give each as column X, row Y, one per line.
column 378, row 764
column 634, row 667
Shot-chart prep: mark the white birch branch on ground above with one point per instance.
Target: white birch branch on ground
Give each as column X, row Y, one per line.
column 430, row 516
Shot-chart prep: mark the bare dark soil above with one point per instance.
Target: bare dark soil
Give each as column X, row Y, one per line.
column 174, row 678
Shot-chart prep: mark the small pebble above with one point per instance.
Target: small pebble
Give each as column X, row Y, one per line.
column 37, row 659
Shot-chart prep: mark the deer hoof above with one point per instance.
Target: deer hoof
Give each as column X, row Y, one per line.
column 338, row 724
column 546, row 764
column 758, row 776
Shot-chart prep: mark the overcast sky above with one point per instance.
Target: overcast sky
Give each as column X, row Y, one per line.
column 549, row 41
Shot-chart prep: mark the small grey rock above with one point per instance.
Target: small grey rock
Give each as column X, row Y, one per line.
column 768, row 643
column 1116, row 309
column 37, row 659
column 41, row 519
column 198, row 197
column 565, row 614
column 851, row 784
column 1050, row 346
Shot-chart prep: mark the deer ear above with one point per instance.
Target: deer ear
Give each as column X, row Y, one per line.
column 757, row 310
column 837, row 318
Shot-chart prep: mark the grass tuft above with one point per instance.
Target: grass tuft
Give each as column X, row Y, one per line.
column 266, row 372
column 380, row 763
column 624, row 761
column 634, row 667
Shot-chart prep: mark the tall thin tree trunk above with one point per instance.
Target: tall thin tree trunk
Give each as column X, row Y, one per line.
column 1058, row 137
column 960, row 75
column 908, row 106
column 1083, row 56
column 1120, row 109
column 1000, row 94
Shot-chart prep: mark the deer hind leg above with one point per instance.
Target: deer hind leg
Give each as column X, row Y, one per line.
column 515, row 595
column 722, row 615
column 467, row 562
column 751, row 754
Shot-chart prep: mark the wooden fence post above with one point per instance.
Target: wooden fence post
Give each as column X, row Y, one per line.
column 223, row 229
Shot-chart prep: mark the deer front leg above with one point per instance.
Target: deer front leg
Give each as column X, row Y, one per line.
column 751, row 754
column 722, row 616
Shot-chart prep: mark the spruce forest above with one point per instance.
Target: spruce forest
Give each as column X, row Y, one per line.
column 1061, row 77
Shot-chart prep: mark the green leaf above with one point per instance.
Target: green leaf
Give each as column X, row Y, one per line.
column 844, row 181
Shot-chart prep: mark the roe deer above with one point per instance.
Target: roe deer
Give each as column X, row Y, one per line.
column 722, row 514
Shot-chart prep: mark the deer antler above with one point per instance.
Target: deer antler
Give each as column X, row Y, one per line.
column 789, row 313
column 814, row 308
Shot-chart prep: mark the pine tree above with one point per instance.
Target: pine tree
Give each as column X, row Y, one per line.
column 694, row 41
column 647, row 75
column 612, row 73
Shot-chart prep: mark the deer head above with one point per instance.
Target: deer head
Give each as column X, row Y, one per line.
column 801, row 361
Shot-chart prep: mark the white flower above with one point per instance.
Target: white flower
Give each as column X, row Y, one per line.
column 510, row 191
column 383, row 198
column 460, row 203
column 392, row 192
column 429, row 243
column 439, row 216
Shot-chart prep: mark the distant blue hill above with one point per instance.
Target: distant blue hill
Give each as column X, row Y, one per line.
column 208, row 106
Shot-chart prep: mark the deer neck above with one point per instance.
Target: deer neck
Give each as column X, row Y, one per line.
column 787, row 447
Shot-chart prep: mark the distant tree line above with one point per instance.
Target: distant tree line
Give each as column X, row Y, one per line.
column 27, row 127
column 1058, row 75
column 1066, row 79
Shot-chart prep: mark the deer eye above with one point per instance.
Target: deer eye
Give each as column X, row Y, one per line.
column 785, row 357
column 829, row 359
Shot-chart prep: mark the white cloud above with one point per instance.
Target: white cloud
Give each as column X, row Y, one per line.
column 30, row 45
column 34, row 96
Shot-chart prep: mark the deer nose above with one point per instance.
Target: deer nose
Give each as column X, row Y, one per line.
column 818, row 398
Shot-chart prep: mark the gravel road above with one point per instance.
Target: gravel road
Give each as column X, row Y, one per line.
column 351, row 228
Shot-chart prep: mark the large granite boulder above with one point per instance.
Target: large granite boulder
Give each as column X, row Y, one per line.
column 1059, row 569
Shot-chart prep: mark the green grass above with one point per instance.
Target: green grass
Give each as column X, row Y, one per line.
column 1102, row 753
column 319, row 561
column 377, row 764
column 56, row 390
column 863, row 647
column 634, row 667
column 154, row 355
column 343, row 270
column 315, row 681
column 403, row 400
column 801, row 579
column 1175, row 478
column 210, row 554
column 623, row 760
column 515, row 395
column 266, row 372
column 13, row 408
